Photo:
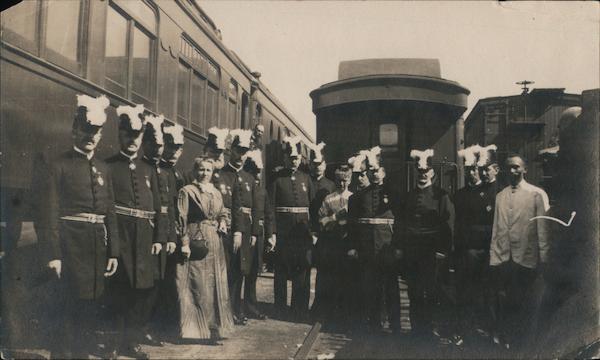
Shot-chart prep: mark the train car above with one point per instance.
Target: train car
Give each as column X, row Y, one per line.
column 399, row 105
column 166, row 55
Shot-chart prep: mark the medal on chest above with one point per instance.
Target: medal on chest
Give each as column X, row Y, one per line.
column 482, row 194
column 229, row 190
column 94, row 170
column 385, row 199
column 158, row 170
column 293, row 178
column 247, row 187
column 132, row 166
column 223, row 189
column 99, row 179
column 148, row 182
column 304, row 187
column 488, row 208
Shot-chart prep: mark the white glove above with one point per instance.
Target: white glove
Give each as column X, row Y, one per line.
column 56, row 265
column 273, row 241
column 253, row 240
column 111, row 267
column 186, row 251
column 156, row 248
column 237, row 241
column 171, row 247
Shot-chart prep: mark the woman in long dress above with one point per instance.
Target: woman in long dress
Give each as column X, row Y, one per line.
column 333, row 244
column 204, row 308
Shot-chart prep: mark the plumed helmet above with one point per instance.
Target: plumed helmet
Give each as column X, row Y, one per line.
column 423, row 158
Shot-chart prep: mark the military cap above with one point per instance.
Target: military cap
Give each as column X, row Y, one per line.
column 131, row 118
column 217, row 139
column 240, row 138
column 358, row 163
column 316, row 153
column 373, row 157
column 470, row 155
column 487, row 156
column 173, row 134
column 254, row 160
column 423, row 158
column 91, row 113
column 291, row 145
column 154, row 128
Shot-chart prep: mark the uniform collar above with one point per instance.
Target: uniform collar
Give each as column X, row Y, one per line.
column 88, row 155
column 234, row 168
column 320, row 177
column 151, row 161
column 424, row 187
column 475, row 185
column 131, row 158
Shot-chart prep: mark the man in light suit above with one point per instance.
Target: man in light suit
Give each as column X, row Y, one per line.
column 518, row 251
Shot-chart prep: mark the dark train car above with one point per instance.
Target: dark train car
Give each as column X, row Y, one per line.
column 167, row 55
column 399, row 105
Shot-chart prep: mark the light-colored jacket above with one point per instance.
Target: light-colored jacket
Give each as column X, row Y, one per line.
column 515, row 236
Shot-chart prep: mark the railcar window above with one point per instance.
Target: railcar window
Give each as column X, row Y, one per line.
column 49, row 29
column 271, row 130
column 19, row 25
column 388, row 135
column 116, row 51
column 183, row 94
column 212, row 96
column 129, row 52
column 198, row 100
column 141, row 63
column 63, row 15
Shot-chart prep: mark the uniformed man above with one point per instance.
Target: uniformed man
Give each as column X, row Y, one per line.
column 262, row 218
column 323, row 187
column 371, row 221
column 80, row 238
column 359, row 178
column 141, row 228
column 153, row 146
column 173, row 138
column 237, row 188
column 291, row 194
column 427, row 225
column 471, row 246
column 489, row 169
column 215, row 146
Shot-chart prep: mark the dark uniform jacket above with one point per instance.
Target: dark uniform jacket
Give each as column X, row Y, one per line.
column 237, row 188
column 472, row 226
column 373, row 202
column 175, row 181
column 294, row 238
column 428, row 214
column 262, row 216
column 136, row 187
column 162, row 180
column 78, row 185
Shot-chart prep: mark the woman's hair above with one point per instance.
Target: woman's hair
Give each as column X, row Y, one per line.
column 203, row 159
column 343, row 173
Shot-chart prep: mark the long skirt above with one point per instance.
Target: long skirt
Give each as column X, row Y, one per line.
column 203, row 294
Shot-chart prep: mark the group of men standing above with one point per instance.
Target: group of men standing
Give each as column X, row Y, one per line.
column 116, row 220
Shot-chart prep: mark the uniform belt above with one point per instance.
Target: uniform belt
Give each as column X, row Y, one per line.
column 85, row 217
column 214, row 223
column 292, row 209
column 142, row 214
column 246, row 210
column 375, row 221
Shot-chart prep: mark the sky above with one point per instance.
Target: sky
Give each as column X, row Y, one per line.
column 484, row 46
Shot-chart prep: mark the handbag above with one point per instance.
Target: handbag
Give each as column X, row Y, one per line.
column 198, row 247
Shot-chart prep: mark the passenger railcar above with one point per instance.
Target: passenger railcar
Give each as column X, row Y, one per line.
column 167, row 55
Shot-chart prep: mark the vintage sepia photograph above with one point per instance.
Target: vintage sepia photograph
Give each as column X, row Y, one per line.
column 272, row 179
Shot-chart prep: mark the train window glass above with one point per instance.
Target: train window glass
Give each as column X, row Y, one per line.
column 63, row 15
column 198, row 95
column 212, row 97
column 18, row 25
column 232, row 114
column 388, row 135
column 116, row 51
column 183, row 91
column 140, row 11
column 141, row 63
column 278, row 134
column 271, row 130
